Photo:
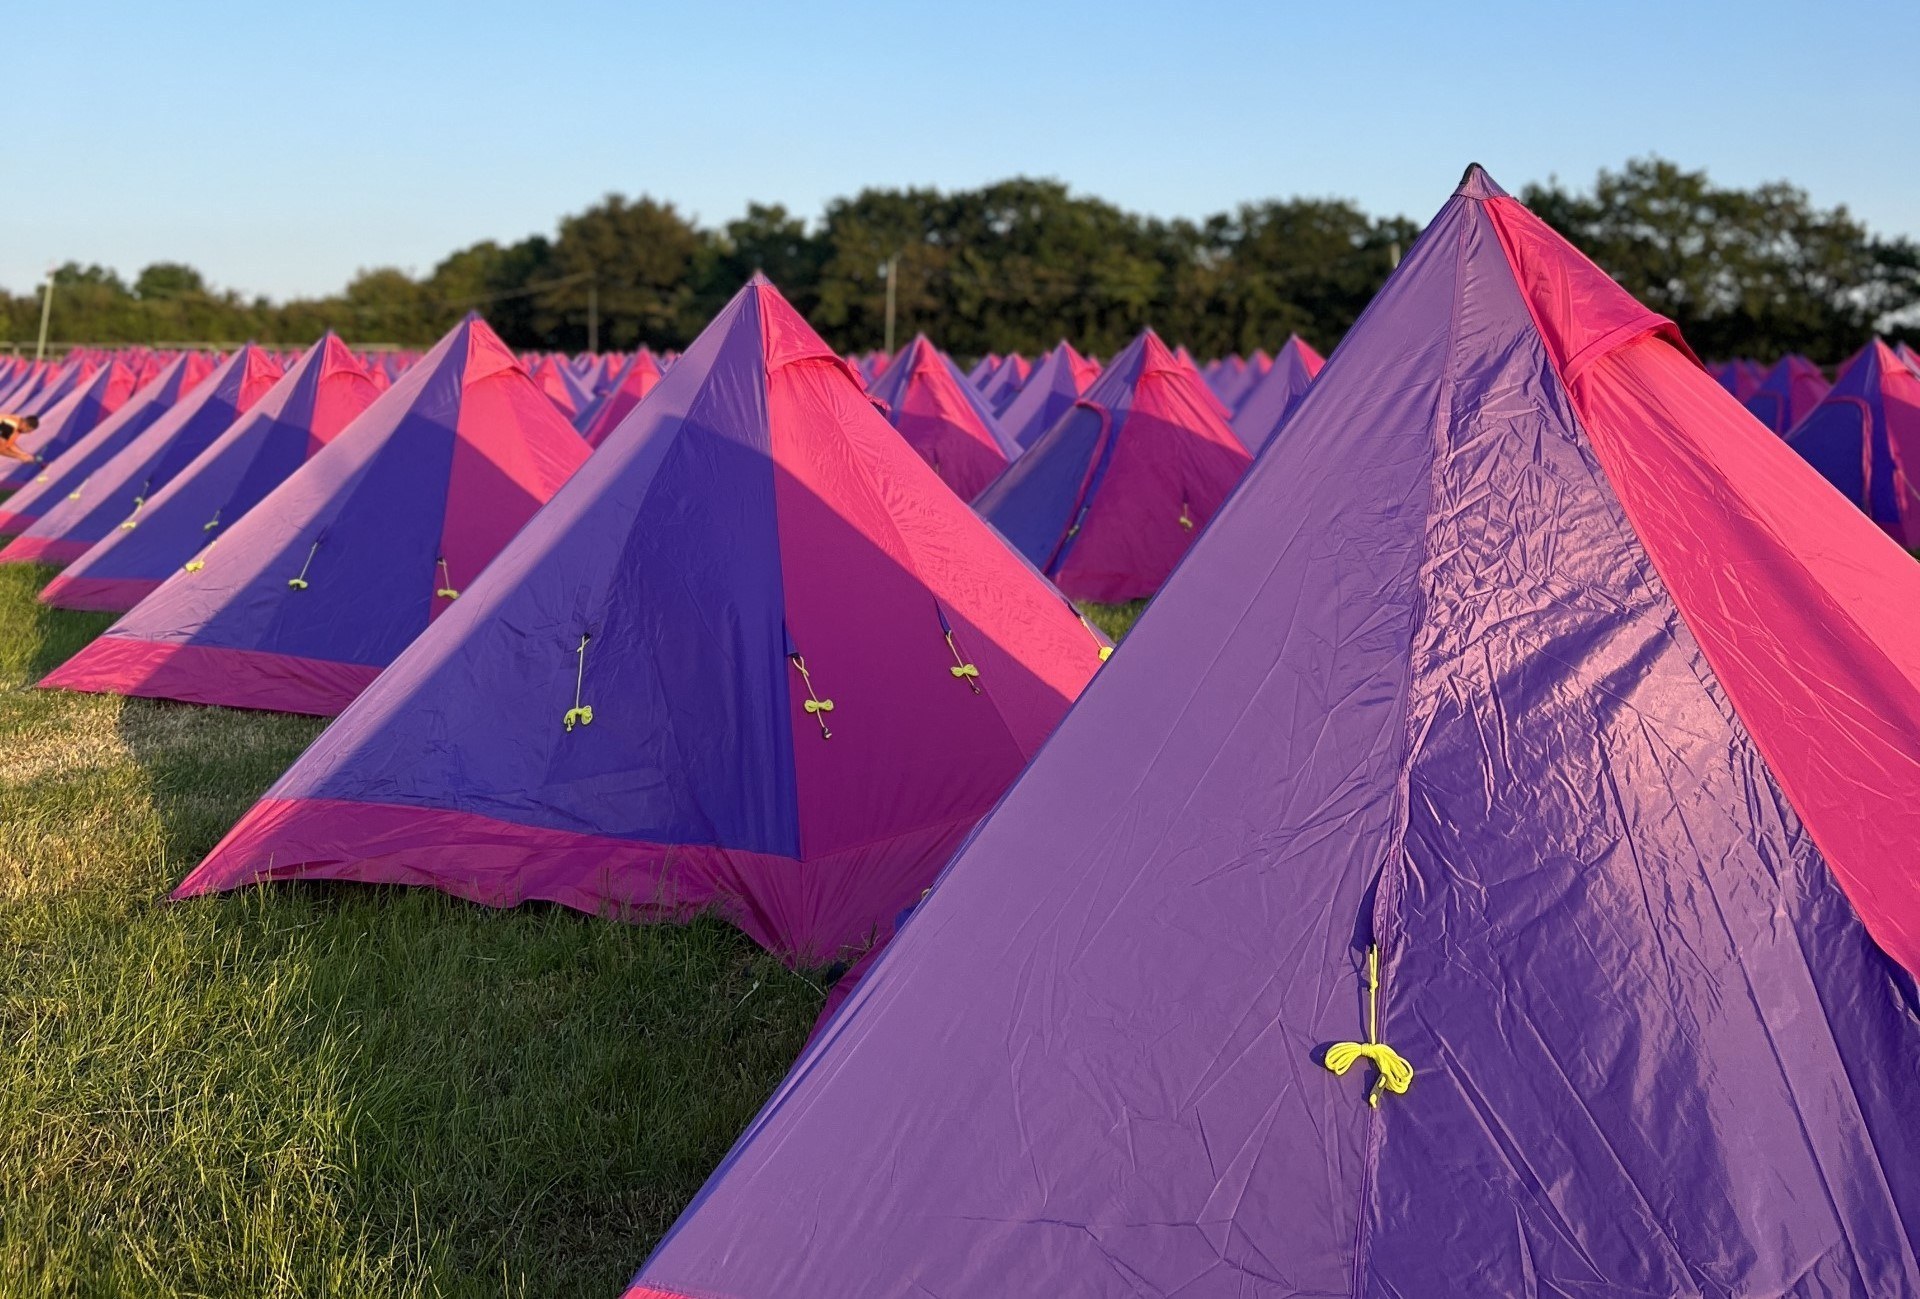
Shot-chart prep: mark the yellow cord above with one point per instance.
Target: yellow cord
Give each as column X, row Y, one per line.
column 1395, row 1074
column 961, row 669
column 813, row 703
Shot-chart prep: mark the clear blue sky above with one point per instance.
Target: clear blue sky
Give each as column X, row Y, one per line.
column 281, row 147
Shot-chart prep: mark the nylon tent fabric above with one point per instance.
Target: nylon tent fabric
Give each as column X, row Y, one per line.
column 983, row 369
column 109, row 494
column 319, row 395
column 1107, row 500
column 65, row 426
column 755, row 657
column 1006, row 381
column 1792, row 388
column 642, row 372
column 1050, row 390
column 1279, row 390
column 553, row 378
column 1864, row 439
column 300, row 604
column 1449, row 680
column 933, row 407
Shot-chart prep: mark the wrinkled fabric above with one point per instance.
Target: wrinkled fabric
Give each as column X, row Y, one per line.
column 1425, row 685
column 319, row 395
column 110, row 493
column 420, row 491
column 753, row 515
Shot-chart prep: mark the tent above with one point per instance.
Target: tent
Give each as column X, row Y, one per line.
column 109, row 492
column 1864, row 438
column 642, row 372
column 944, row 418
column 1437, row 895
column 299, row 605
column 755, row 656
column 1791, row 389
column 1269, row 401
column 1740, row 377
column 1004, row 384
column 1106, row 501
column 1053, row 386
column 551, row 376
column 59, row 385
column 983, row 369
column 322, row 392
column 108, row 391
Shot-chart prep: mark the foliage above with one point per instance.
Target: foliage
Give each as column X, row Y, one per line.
column 1022, row 263
column 1758, row 272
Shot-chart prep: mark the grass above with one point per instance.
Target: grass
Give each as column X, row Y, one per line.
column 312, row 1090
column 323, row 1090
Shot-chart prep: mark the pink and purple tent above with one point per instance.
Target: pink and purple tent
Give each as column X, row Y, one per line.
column 1107, row 500
column 1004, row 384
column 755, row 656
column 943, row 418
column 105, row 393
column 551, row 376
column 1053, row 386
column 642, row 372
column 1525, row 750
column 1864, row 438
column 1266, row 405
column 109, row 491
column 1791, row 389
column 321, row 394
column 299, row 605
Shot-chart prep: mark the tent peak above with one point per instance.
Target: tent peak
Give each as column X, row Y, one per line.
column 1476, row 183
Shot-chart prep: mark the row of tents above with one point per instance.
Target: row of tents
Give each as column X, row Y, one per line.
column 1488, row 867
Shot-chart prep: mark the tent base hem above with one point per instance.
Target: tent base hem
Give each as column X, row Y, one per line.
column 806, row 916
column 56, row 551
column 212, row 674
column 97, row 594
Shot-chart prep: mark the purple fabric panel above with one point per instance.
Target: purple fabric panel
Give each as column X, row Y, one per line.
column 371, row 501
column 1122, row 981
column 147, row 461
column 1587, row 962
column 662, row 550
column 1045, row 397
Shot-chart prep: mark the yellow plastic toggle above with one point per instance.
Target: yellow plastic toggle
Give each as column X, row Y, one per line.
column 297, row 583
column 195, row 565
column 1186, row 516
column 582, row 716
column 1395, row 1074
column 1106, row 652
column 818, row 705
column 964, row 671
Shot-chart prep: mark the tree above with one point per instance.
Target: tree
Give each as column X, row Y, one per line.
column 640, row 256
column 164, row 280
column 1754, row 272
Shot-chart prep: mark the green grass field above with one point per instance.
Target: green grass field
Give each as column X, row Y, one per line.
column 326, row 1090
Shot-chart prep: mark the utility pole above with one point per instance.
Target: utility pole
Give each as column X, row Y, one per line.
column 46, row 311
column 893, row 273
column 593, row 315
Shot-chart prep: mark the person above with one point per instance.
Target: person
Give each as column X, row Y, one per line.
column 12, row 429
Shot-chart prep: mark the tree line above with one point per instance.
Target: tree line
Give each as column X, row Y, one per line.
column 1022, row 263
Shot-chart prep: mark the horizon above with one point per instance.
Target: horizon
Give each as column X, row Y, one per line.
column 377, row 145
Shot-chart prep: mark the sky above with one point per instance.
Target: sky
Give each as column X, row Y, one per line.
column 281, row 148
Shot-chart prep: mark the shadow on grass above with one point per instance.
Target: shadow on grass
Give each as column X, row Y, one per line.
column 34, row 638
column 305, row 1089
